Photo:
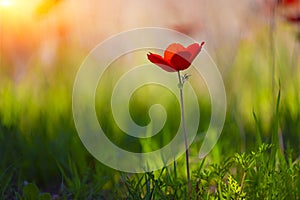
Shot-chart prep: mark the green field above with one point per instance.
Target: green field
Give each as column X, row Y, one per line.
column 256, row 157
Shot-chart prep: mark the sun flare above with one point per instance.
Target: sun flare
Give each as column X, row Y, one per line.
column 6, row 3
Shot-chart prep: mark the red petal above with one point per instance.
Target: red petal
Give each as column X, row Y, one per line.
column 159, row 61
column 180, row 60
column 194, row 49
column 173, row 49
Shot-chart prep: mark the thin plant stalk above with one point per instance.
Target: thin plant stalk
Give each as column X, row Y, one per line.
column 272, row 25
column 242, row 184
column 272, row 50
column 180, row 86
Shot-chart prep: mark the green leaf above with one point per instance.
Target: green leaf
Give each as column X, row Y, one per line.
column 30, row 192
column 45, row 196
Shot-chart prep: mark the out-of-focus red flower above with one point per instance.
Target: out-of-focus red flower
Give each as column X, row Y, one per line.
column 288, row 2
column 176, row 57
column 290, row 10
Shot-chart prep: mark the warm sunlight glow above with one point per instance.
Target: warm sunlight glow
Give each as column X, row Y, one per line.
column 6, row 3
column 20, row 5
column 19, row 9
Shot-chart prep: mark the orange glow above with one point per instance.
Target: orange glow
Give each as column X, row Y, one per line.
column 19, row 7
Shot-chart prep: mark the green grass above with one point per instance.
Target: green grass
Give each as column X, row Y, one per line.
column 41, row 152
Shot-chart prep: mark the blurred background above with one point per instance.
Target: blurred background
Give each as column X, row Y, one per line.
column 255, row 44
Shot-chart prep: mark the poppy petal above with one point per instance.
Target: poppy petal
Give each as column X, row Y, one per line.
column 173, row 49
column 180, row 60
column 194, row 49
column 159, row 61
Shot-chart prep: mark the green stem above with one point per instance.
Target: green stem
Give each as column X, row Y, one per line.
column 272, row 51
column 242, row 184
column 185, row 136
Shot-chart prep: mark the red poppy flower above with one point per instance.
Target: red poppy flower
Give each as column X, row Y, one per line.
column 176, row 57
column 288, row 2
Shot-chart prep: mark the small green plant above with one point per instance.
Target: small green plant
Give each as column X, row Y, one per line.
column 241, row 176
column 31, row 192
column 234, row 190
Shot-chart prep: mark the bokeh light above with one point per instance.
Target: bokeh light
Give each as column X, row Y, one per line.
column 6, row 3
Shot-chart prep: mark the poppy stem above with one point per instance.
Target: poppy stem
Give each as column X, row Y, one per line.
column 180, row 86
